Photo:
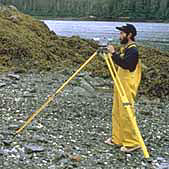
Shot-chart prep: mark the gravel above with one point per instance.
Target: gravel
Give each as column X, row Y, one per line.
column 70, row 132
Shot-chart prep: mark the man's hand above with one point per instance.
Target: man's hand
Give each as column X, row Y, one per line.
column 111, row 49
column 102, row 54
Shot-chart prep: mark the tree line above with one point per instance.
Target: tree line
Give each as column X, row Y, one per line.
column 134, row 9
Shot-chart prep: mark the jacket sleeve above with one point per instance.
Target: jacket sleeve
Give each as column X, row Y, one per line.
column 129, row 61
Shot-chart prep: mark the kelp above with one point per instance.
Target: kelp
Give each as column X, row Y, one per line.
column 155, row 76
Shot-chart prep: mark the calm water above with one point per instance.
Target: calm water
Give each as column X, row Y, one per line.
column 149, row 34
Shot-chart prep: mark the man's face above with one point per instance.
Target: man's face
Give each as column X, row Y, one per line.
column 123, row 38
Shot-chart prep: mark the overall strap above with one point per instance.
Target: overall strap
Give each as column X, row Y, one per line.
column 131, row 45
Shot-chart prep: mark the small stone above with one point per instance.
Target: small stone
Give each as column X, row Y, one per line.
column 75, row 158
column 2, row 84
column 64, row 162
column 164, row 166
column 30, row 148
column 1, row 152
column 14, row 76
column 160, row 159
column 52, row 167
column 128, row 155
column 4, row 151
column 7, row 142
column 59, row 155
column 13, row 126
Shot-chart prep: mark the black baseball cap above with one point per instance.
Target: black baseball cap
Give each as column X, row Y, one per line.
column 128, row 28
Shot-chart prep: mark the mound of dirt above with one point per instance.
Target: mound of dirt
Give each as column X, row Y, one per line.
column 27, row 44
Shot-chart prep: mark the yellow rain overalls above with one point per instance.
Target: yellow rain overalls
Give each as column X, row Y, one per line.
column 123, row 132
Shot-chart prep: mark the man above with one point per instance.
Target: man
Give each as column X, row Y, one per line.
column 129, row 72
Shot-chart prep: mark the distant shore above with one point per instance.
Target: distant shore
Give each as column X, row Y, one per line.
column 122, row 19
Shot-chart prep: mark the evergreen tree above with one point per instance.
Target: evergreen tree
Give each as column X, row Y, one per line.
column 144, row 9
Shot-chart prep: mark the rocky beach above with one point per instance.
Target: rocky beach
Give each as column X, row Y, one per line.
column 70, row 132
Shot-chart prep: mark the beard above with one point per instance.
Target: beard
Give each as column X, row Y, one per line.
column 124, row 41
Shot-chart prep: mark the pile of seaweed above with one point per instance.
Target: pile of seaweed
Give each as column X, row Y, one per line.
column 155, row 76
column 27, row 44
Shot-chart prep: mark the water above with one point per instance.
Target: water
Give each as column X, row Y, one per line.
column 149, row 34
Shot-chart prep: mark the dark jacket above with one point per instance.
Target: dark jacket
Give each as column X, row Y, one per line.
column 129, row 60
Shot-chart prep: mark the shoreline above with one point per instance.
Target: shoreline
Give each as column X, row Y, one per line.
column 99, row 19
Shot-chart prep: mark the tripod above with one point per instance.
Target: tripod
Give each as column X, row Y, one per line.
column 120, row 88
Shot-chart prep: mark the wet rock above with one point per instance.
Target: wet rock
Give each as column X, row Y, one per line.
column 22, row 156
column 161, row 159
column 39, row 138
column 7, row 132
column 32, row 148
column 1, row 152
column 75, row 158
column 27, row 94
column 59, row 155
column 7, row 142
column 64, row 162
column 14, row 76
column 33, row 91
column 163, row 166
column 52, row 167
column 161, row 163
column 13, row 126
column 4, row 151
column 2, row 84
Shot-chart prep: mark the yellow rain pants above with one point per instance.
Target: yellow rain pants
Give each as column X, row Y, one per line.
column 122, row 129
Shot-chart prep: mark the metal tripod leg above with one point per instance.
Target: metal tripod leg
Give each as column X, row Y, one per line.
column 34, row 114
column 125, row 100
